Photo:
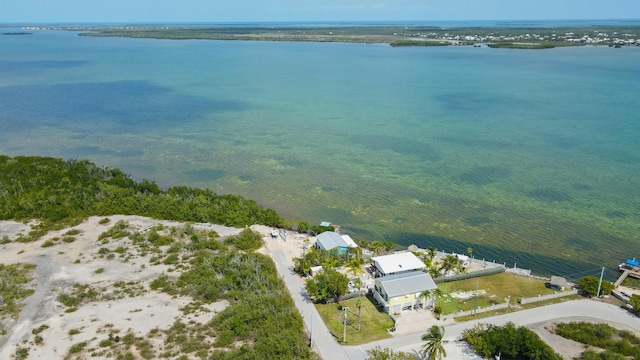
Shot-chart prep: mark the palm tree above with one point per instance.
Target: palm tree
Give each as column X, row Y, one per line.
column 355, row 266
column 432, row 252
column 359, row 305
column 433, row 346
column 426, row 295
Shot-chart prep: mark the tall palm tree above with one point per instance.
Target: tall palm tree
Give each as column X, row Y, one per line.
column 433, row 346
column 355, row 266
column 425, row 295
column 359, row 306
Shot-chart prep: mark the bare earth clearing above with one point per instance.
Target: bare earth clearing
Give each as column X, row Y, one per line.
column 61, row 266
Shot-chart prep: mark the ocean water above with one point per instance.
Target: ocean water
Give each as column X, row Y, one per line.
column 528, row 157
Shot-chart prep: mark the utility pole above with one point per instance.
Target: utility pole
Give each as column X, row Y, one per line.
column 344, row 333
column 600, row 283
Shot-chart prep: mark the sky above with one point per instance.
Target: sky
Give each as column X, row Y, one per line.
column 215, row 11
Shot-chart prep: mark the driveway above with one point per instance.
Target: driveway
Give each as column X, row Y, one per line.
column 323, row 341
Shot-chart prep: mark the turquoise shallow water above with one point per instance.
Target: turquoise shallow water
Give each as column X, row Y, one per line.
column 528, row 157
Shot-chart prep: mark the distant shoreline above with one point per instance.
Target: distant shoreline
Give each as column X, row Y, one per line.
column 511, row 35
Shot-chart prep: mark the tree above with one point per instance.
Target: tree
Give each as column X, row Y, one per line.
column 426, row 295
column 303, row 226
column 380, row 353
column 635, row 302
column 302, row 265
column 359, row 307
column 329, row 283
column 377, row 247
column 449, row 263
column 508, row 342
column 433, row 346
column 355, row 266
column 432, row 252
column 589, row 285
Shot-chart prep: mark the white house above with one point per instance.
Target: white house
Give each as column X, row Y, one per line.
column 396, row 263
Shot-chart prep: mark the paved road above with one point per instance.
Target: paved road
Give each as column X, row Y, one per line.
column 577, row 308
column 323, row 341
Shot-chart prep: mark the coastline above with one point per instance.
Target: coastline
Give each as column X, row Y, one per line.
column 501, row 35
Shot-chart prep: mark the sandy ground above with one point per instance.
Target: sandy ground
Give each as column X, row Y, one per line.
column 61, row 266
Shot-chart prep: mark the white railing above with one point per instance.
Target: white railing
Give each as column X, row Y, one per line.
column 548, row 296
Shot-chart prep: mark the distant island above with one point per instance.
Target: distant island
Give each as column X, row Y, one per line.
column 394, row 35
column 16, row 33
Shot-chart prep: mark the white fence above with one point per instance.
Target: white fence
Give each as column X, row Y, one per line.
column 547, row 297
column 482, row 310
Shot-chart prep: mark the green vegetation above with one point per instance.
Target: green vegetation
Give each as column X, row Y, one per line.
column 508, row 341
column 80, row 294
column 328, row 284
column 617, row 343
column 433, row 347
column 380, row 353
column 401, row 43
column 634, row 301
column 261, row 313
column 76, row 348
column 528, row 45
column 511, row 37
column 14, row 279
column 589, row 285
column 62, row 193
column 497, row 289
column 247, row 240
column 318, row 257
column 374, row 322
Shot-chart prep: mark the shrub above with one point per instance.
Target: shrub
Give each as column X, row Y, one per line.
column 511, row 342
column 76, row 348
column 105, row 343
column 47, row 243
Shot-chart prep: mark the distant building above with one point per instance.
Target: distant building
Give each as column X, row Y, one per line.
column 396, row 263
column 326, row 224
column 330, row 240
column 404, row 291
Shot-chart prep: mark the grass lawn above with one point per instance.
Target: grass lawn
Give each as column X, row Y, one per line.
column 373, row 322
column 497, row 287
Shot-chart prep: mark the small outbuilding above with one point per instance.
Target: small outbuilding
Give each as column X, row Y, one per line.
column 558, row 283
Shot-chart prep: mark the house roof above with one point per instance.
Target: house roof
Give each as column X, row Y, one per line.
column 397, row 262
column 330, row 240
column 349, row 241
column 558, row 281
column 407, row 283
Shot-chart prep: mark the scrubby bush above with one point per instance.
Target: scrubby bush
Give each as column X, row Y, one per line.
column 511, row 342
